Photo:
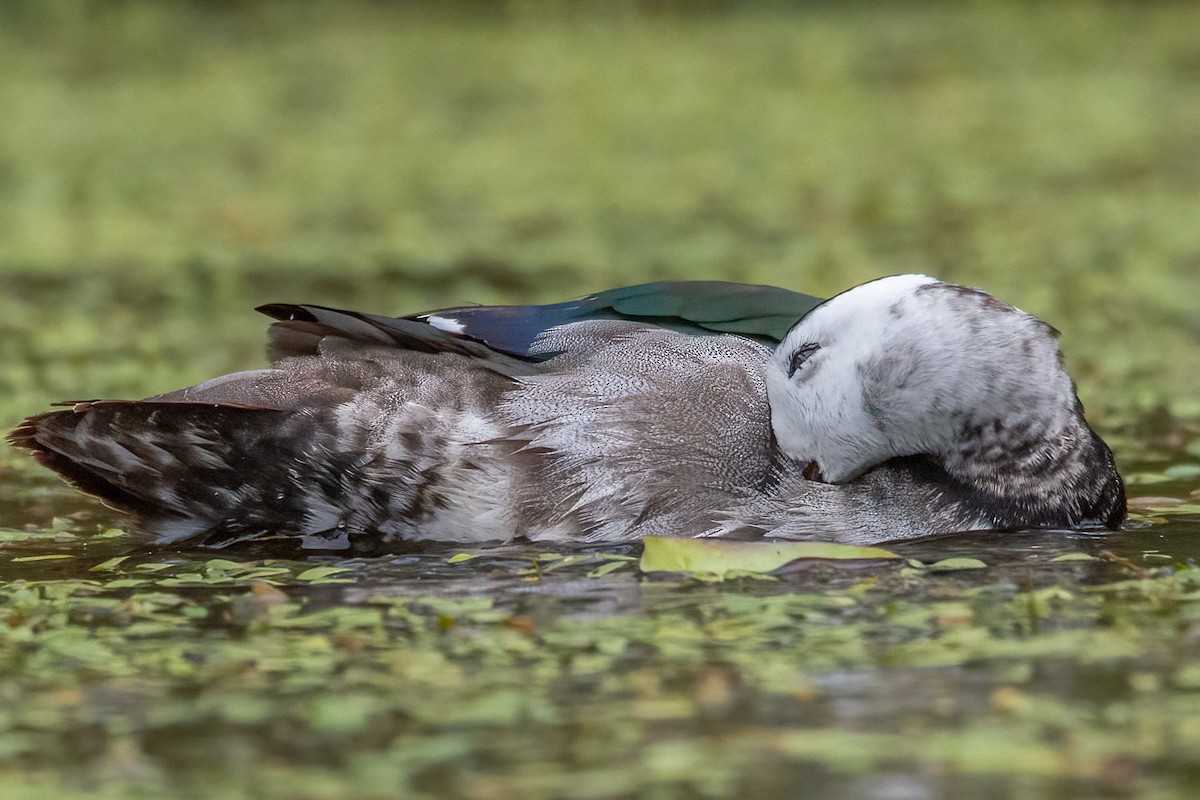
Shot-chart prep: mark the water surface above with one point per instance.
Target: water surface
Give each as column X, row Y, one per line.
column 1063, row 665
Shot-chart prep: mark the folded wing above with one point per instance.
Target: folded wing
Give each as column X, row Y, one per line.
column 762, row 313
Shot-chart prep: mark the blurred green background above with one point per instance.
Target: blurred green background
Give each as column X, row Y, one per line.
column 165, row 166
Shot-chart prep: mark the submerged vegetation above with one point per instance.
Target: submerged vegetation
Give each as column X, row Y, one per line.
column 166, row 166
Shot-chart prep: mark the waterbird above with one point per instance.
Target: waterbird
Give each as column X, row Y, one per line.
column 900, row 408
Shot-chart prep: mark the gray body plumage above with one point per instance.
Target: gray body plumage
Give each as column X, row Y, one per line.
column 627, row 430
column 378, row 430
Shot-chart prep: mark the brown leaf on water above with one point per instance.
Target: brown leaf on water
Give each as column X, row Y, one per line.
column 1124, row 563
column 255, row 605
column 268, row 594
column 520, row 624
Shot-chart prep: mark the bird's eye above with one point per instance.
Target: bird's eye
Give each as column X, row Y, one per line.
column 802, row 354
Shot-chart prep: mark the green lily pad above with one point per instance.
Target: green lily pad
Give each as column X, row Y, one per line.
column 111, row 533
column 716, row 556
column 1181, row 508
column 606, row 568
column 956, row 564
column 319, row 573
column 109, row 565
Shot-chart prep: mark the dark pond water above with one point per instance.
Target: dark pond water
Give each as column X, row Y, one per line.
column 1061, row 665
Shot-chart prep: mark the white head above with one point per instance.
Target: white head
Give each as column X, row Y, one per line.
column 909, row 365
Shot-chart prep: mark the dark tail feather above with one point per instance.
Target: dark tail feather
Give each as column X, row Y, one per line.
column 50, row 427
column 300, row 330
column 185, row 468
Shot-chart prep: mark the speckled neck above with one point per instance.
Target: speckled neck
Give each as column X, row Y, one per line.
column 1036, row 472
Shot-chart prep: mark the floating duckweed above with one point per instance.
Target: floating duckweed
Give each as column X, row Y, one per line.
column 319, row 574
column 258, row 662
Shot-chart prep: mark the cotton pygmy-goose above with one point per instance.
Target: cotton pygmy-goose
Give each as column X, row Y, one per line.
column 900, row 408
